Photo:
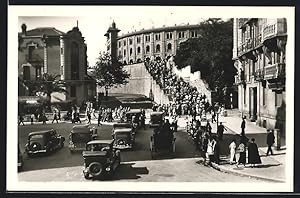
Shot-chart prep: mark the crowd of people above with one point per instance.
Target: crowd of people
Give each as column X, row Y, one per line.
column 186, row 100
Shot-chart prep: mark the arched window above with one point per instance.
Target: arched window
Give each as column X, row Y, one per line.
column 147, row 49
column 158, row 48
column 138, row 50
column 74, row 61
column 169, row 47
column 124, row 52
column 130, row 51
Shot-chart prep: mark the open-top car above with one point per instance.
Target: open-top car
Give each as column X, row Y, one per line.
column 156, row 119
column 80, row 135
column 100, row 159
column 123, row 138
column 43, row 142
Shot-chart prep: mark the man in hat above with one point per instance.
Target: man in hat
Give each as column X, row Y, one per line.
column 270, row 141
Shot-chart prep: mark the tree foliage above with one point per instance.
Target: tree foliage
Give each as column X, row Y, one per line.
column 109, row 73
column 210, row 53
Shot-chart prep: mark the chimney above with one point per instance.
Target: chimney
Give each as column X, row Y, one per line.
column 23, row 26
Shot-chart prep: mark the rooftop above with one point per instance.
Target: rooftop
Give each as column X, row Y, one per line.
column 48, row 31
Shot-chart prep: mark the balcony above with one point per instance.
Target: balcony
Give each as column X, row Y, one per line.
column 34, row 58
column 274, row 71
column 246, row 47
column 259, row 75
column 274, row 29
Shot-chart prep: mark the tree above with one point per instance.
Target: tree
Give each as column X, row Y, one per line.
column 211, row 54
column 109, row 73
column 46, row 85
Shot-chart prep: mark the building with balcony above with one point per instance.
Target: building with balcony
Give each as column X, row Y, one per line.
column 259, row 55
column 160, row 43
column 48, row 50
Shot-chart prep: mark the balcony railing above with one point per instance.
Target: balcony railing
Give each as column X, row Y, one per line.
column 34, row 58
column 274, row 29
column 274, row 71
column 269, row 30
column 259, row 75
column 246, row 46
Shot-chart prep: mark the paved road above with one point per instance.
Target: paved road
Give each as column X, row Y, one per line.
column 137, row 164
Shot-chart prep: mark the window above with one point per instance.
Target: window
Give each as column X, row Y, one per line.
column 264, row 92
column 130, row 41
column 124, row 43
column 181, row 35
column 130, row 51
column 138, row 50
column 158, row 48
column 30, row 51
column 26, row 72
column 120, row 53
column 147, row 38
column 138, row 39
column 244, row 95
column 278, row 99
column 119, row 43
column 169, row 47
column 124, row 52
column 147, row 49
column 74, row 61
column 194, row 34
column 169, row 35
column 73, row 91
column 157, row 37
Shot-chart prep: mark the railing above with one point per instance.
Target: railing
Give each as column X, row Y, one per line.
column 274, row 71
column 34, row 58
column 269, row 30
column 259, row 75
column 246, row 46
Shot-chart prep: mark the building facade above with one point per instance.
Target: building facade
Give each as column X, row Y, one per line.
column 259, row 54
column 48, row 50
column 160, row 43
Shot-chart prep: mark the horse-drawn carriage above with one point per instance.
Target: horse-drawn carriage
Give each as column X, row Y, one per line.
column 162, row 142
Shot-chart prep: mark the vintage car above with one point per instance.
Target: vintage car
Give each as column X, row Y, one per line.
column 43, row 142
column 134, row 116
column 156, row 119
column 123, row 138
column 80, row 135
column 162, row 142
column 20, row 159
column 100, row 159
column 121, row 125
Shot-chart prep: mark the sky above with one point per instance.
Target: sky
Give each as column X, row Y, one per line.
column 94, row 24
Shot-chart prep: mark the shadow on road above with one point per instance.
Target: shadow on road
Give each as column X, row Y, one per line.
column 127, row 171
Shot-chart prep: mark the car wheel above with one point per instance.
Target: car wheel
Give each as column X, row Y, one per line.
column 86, row 175
column 95, row 169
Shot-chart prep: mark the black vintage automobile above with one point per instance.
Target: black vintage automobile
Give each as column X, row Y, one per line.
column 100, row 159
column 123, row 138
column 80, row 135
column 162, row 142
column 20, row 159
column 156, row 118
column 43, row 142
column 134, row 116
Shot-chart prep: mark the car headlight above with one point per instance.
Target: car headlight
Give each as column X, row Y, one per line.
column 107, row 169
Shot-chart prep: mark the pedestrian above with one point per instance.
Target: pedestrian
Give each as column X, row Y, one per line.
column 208, row 127
column 89, row 117
column 232, row 148
column 55, row 117
column 58, row 115
column 253, row 154
column 241, row 150
column 213, row 116
column 31, row 118
column 21, row 119
column 217, row 151
column 220, row 131
column 270, row 141
column 243, row 125
column 44, row 118
column 210, row 150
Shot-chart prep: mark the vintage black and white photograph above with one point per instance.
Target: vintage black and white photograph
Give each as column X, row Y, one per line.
column 155, row 98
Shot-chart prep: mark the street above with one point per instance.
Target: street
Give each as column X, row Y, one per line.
column 136, row 165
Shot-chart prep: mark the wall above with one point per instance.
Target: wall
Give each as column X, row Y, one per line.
column 140, row 82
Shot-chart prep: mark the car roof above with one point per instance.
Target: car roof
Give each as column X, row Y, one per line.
column 40, row 132
column 122, row 130
column 134, row 111
column 157, row 113
column 100, row 142
column 93, row 153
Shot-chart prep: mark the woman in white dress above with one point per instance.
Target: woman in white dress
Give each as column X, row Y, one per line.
column 232, row 148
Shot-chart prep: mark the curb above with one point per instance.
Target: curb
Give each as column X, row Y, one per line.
column 217, row 167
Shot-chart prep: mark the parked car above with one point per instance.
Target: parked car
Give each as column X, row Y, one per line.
column 156, row 118
column 43, row 142
column 134, row 116
column 123, row 138
column 100, row 159
column 80, row 136
column 20, row 159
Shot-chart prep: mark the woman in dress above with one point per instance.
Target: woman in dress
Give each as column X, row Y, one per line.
column 253, row 154
column 232, row 148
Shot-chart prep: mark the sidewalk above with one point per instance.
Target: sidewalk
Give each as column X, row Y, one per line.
column 272, row 167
